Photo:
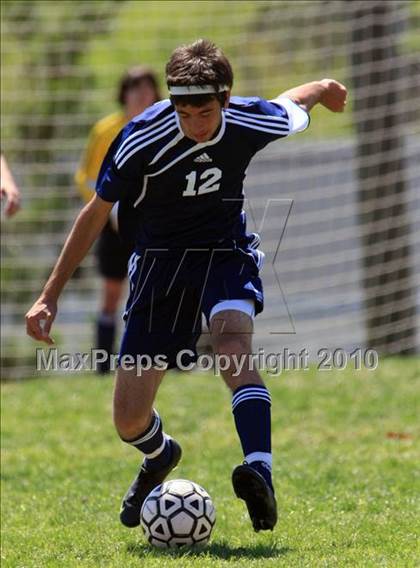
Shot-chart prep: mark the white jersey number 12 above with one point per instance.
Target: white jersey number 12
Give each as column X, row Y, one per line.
column 208, row 182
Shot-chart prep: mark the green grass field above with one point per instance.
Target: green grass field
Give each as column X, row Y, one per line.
column 345, row 450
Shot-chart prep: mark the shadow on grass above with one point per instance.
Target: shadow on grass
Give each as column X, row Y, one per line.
column 215, row 549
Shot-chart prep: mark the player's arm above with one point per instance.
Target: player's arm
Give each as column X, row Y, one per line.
column 84, row 232
column 327, row 92
column 9, row 189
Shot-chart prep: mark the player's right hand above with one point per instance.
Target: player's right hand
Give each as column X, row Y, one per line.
column 12, row 202
column 39, row 320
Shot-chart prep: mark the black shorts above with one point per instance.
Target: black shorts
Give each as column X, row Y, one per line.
column 112, row 254
column 169, row 292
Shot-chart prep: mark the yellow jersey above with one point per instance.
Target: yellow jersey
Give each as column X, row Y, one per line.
column 100, row 138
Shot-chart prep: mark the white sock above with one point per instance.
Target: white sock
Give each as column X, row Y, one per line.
column 265, row 457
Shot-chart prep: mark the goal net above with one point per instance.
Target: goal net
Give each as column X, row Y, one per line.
column 338, row 207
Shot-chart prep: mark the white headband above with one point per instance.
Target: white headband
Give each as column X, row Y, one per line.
column 196, row 89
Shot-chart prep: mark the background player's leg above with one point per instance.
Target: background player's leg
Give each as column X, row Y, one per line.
column 113, row 289
column 106, row 323
column 112, row 259
column 231, row 332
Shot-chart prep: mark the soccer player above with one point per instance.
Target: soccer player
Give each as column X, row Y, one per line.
column 9, row 189
column 177, row 172
column 138, row 89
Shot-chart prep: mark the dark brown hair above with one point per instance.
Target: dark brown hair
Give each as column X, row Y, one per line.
column 200, row 63
column 133, row 78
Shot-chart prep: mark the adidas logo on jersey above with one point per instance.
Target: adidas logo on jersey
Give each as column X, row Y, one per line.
column 203, row 158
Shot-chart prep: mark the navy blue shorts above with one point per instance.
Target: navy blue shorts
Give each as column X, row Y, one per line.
column 169, row 291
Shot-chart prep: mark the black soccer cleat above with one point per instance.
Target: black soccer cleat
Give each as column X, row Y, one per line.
column 142, row 485
column 251, row 486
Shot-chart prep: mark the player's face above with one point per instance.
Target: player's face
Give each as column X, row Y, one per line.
column 138, row 98
column 200, row 123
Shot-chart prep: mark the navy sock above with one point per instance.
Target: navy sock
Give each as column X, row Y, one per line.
column 251, row 409
column 105, row 336
column 154, row 443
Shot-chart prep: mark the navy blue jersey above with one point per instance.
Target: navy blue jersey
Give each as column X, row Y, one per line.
column 177, row 193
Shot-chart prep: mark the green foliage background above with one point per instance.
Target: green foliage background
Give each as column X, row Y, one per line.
column 60, row 62
column 79, row 48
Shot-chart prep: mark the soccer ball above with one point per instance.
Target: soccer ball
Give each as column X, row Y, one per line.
column 177, row 513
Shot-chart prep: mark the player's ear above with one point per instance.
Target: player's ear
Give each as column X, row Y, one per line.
column 227, row 99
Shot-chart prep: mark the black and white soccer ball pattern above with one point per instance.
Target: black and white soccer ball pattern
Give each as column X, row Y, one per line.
column 178, row 513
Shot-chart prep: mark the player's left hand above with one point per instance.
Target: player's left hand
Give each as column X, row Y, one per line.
column 334, row 97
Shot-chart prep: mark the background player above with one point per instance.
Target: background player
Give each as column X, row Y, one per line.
column 138, row 89
column 9, row 190
column 177, row 172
